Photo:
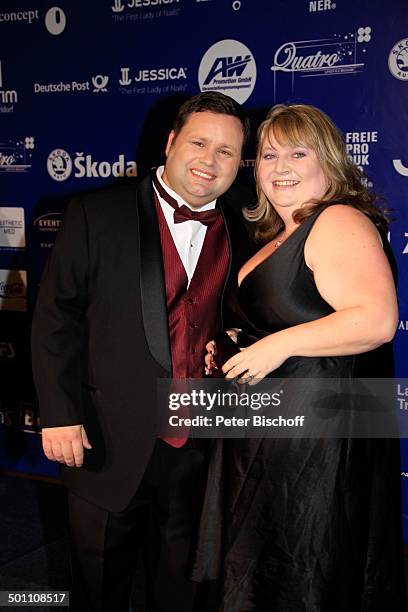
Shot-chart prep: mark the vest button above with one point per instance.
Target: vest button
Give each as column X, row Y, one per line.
column 190, row 300
column 193, row 325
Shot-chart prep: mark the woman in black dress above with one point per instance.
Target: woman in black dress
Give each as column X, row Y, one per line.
column 308, row 525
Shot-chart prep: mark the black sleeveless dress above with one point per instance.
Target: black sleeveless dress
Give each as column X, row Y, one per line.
column 302, row 525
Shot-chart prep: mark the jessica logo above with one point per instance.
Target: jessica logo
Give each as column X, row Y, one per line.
column 117, row 7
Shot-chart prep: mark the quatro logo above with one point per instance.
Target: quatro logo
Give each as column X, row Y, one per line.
column 100, row 82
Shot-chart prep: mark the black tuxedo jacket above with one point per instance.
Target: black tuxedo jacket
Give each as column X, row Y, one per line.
column 100, row 337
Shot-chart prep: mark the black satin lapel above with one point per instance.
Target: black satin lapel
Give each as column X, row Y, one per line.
column 152, row 278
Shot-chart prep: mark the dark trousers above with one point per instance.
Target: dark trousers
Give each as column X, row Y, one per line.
column 159, row 523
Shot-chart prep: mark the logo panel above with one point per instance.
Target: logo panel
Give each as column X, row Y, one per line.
column 12, row 229
column 15, row 155
column 61, row 165
column 398, row 60
column 228, row 66
column 55, row 20
column 13, row 290
column 337, row 55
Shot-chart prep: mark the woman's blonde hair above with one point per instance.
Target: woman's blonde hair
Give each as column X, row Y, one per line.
column 301, row 124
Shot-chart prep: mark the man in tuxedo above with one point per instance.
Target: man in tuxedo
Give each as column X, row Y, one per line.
column 131, row 294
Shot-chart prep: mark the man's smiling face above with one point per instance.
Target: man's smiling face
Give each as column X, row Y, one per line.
column 203, row 158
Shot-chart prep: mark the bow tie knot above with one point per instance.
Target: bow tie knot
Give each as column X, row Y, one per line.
column 206, row 217
column 184, row 213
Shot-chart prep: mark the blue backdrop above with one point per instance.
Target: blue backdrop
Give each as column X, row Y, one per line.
column 87, row 94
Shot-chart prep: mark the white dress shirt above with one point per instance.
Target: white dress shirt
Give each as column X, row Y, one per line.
column 188, row 236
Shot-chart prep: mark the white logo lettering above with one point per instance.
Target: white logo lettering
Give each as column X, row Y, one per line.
column 405, row 251
column 287, row 60
column 399, row 167
column 55, row 20
column 125, row 77
column 100, row 82
column 398, row 60
column 117, row 6
column 228, row 66
column 60, row 166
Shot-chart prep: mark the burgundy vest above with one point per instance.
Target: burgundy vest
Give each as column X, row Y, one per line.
column 193, row 313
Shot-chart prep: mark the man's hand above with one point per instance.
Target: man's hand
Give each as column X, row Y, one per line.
column 65, row 444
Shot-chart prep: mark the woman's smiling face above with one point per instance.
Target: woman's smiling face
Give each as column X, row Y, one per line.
column 290, row 175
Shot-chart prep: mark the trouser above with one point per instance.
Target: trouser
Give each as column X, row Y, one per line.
column 159, row 523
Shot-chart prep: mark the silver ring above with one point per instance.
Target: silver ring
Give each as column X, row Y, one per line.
column 249, row 377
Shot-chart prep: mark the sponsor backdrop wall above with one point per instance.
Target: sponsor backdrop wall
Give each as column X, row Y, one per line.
column 87, row 93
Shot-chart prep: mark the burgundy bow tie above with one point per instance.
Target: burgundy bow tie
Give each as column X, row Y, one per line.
column 184, row 213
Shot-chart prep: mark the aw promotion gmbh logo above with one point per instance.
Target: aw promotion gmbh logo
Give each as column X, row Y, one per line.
column 61, row 166
column 398, row 60
column 229, row 67
column 337, row 55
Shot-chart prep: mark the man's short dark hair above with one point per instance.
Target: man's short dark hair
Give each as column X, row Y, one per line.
column 213, row 102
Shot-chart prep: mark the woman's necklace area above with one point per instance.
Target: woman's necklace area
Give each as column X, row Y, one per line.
column 280, row 240
column 283, row 235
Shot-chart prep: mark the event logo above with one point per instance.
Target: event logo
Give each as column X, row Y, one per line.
column 55, row 20
column 398, row 60
column 100, row 82
column 321, row 5
column 14, row 16
column 399, row 167
column 60, row 166
column 7, row 350
column 48, row 225
column 49, row 222
column 12, row 227
column 338, row 55
column 15, row 155
column 13, row 290
column 228, row 66
column 8, row 97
